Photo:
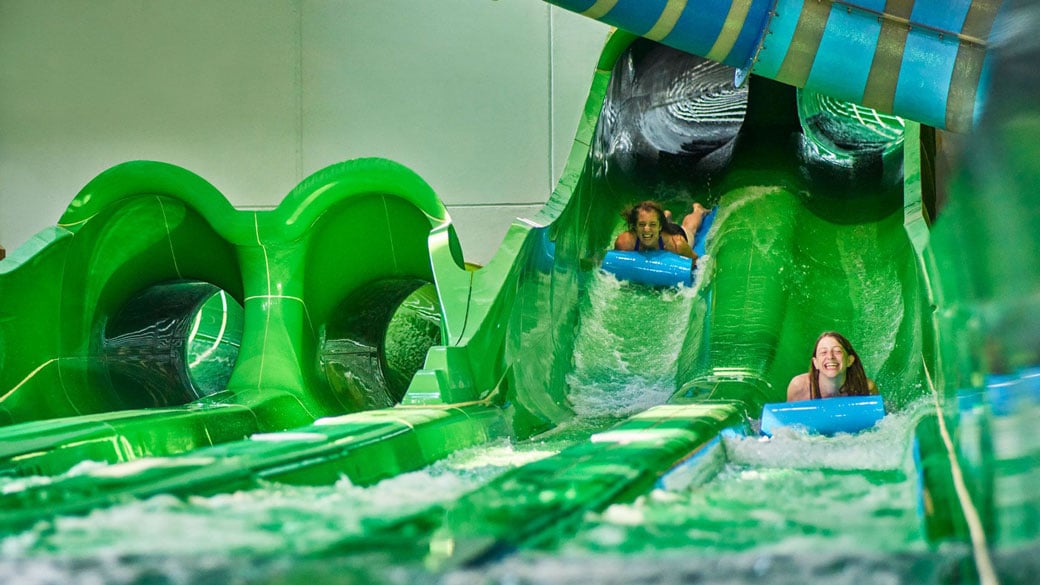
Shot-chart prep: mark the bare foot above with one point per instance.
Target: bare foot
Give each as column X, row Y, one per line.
column 692, row 222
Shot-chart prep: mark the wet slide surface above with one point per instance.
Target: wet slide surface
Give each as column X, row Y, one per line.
column 561, row 418
column 788, row 257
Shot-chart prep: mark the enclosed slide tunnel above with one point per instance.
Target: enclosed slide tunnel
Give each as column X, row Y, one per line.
column 923, row 60
column 498, row 357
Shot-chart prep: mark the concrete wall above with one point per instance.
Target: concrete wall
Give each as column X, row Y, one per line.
column 479, row 97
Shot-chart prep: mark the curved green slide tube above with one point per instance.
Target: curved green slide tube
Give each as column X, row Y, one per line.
column 106, row 319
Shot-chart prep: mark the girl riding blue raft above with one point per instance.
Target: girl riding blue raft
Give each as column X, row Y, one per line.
column 656, row 251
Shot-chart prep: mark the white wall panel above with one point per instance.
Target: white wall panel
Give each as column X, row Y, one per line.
column 210, row 86
column 479, row 97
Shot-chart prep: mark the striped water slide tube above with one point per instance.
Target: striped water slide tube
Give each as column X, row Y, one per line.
column 924, row 60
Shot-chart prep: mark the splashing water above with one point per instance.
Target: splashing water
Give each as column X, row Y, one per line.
column 274, row 520
column 793, row 448
column 785, row 495
column 628, row 341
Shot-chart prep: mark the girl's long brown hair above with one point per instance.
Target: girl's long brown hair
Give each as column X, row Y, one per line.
column 631, row 216
column 855, row 376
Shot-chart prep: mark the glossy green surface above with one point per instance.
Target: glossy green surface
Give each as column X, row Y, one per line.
column 119, row 322
column 364, row 447
column 545, row 499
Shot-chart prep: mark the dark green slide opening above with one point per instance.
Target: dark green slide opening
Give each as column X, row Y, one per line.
column 172, row 343
column 377, row 339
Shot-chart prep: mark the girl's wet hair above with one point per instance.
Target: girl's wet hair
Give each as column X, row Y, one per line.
column 631, row 216
column 855, row 376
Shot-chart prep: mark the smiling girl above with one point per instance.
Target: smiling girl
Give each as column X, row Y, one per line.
column 649, row 229
column 834, row 370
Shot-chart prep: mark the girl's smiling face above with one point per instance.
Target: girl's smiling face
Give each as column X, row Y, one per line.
column 648, row 228
column 831, row 358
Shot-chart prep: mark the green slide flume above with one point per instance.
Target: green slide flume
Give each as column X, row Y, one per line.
column 159, row 341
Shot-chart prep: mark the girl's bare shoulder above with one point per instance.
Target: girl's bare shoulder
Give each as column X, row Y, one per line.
column 798, row 388
column 625, row 241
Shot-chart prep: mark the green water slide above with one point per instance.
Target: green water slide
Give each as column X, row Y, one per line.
column 156, row 319
column 189, row 348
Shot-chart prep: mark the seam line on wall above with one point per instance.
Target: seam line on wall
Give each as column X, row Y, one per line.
column 502, row 205
column 299, row 92
column 552, row 92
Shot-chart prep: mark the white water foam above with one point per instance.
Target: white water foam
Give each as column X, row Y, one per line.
column 885, row 446
column 627, row 344
column 276, row 519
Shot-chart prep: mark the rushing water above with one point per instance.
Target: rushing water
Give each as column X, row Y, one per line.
column 277, row 519
column 628, row 340
column 787, row 494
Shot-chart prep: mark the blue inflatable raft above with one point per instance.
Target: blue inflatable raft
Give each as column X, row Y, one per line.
column 829, row 416
column 655, row 268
